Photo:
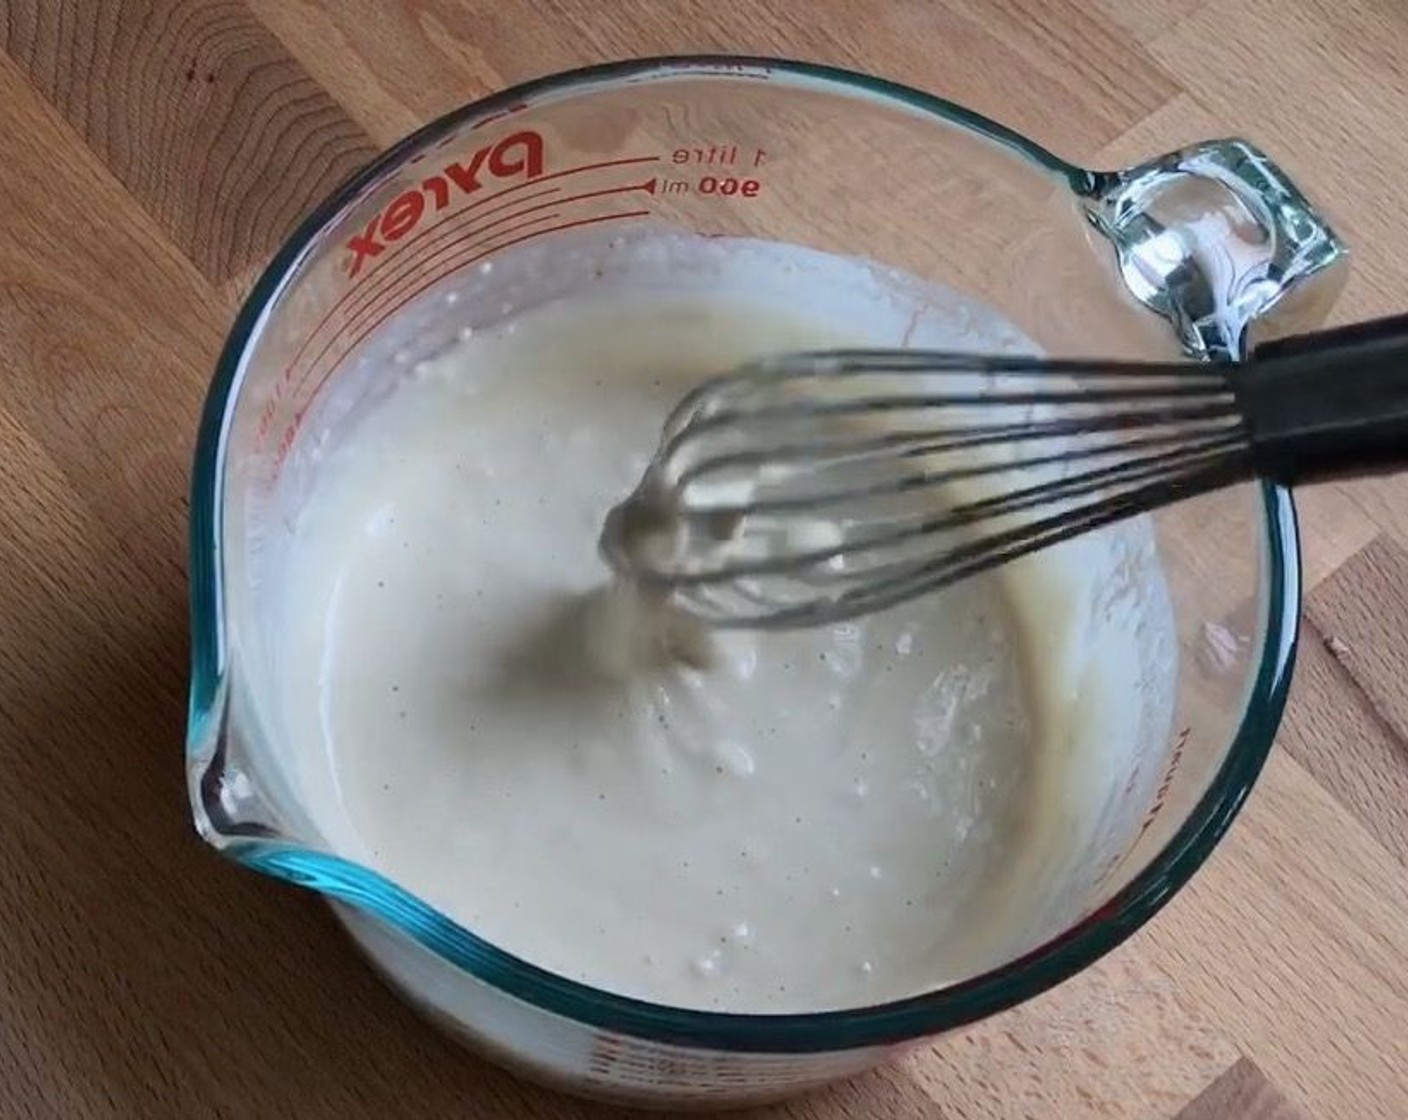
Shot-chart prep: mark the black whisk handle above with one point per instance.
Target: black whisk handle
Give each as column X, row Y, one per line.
column 1332, row 404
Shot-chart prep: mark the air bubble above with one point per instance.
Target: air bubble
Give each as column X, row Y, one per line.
column 733, row 758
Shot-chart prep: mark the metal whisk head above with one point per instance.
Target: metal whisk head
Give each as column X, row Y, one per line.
column 819, row 486
column 816, row 487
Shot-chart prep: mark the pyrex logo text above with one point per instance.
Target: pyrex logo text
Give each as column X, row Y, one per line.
column 518, row 154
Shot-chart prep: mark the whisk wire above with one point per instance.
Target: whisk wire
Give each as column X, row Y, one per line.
column 913, row 443
column 1216, row 439
column 818, row 486
column 962, row 563
column 1189, row 458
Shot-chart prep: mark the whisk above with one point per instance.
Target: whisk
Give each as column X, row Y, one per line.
column 814, row 487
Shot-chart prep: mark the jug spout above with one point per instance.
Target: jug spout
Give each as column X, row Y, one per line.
column 232, row 798
column 1217, row 239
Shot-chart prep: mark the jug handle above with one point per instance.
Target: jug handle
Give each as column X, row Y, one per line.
column 1218, row 240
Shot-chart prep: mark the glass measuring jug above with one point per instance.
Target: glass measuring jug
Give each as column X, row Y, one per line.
column 545, row 189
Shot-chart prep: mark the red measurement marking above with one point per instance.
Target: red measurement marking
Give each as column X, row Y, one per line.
column 718, row 155
column 378, row 294
column 437, row 245
column 519, row 154
column 473, row 207
column 515, row 108
column 534, row 181
column 448, row 249
column 418, row 289
column 398, row 270
column 1161, row 794
column 375, row 295
column 729, row 186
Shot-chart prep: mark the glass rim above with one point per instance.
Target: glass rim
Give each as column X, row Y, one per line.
column 882, row 1024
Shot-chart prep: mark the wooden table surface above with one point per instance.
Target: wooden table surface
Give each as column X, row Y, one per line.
column 154, row 152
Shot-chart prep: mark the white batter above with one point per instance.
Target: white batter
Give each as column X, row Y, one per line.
column 753, row 823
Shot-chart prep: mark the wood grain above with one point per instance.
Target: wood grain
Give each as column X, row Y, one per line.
column 1348, row 745
column 1361, row 611
column 154, row 152
column 1087, row 81
column 217, row 131
column 1242, row 1093
column 1289, row 937
column 1096, row 1047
